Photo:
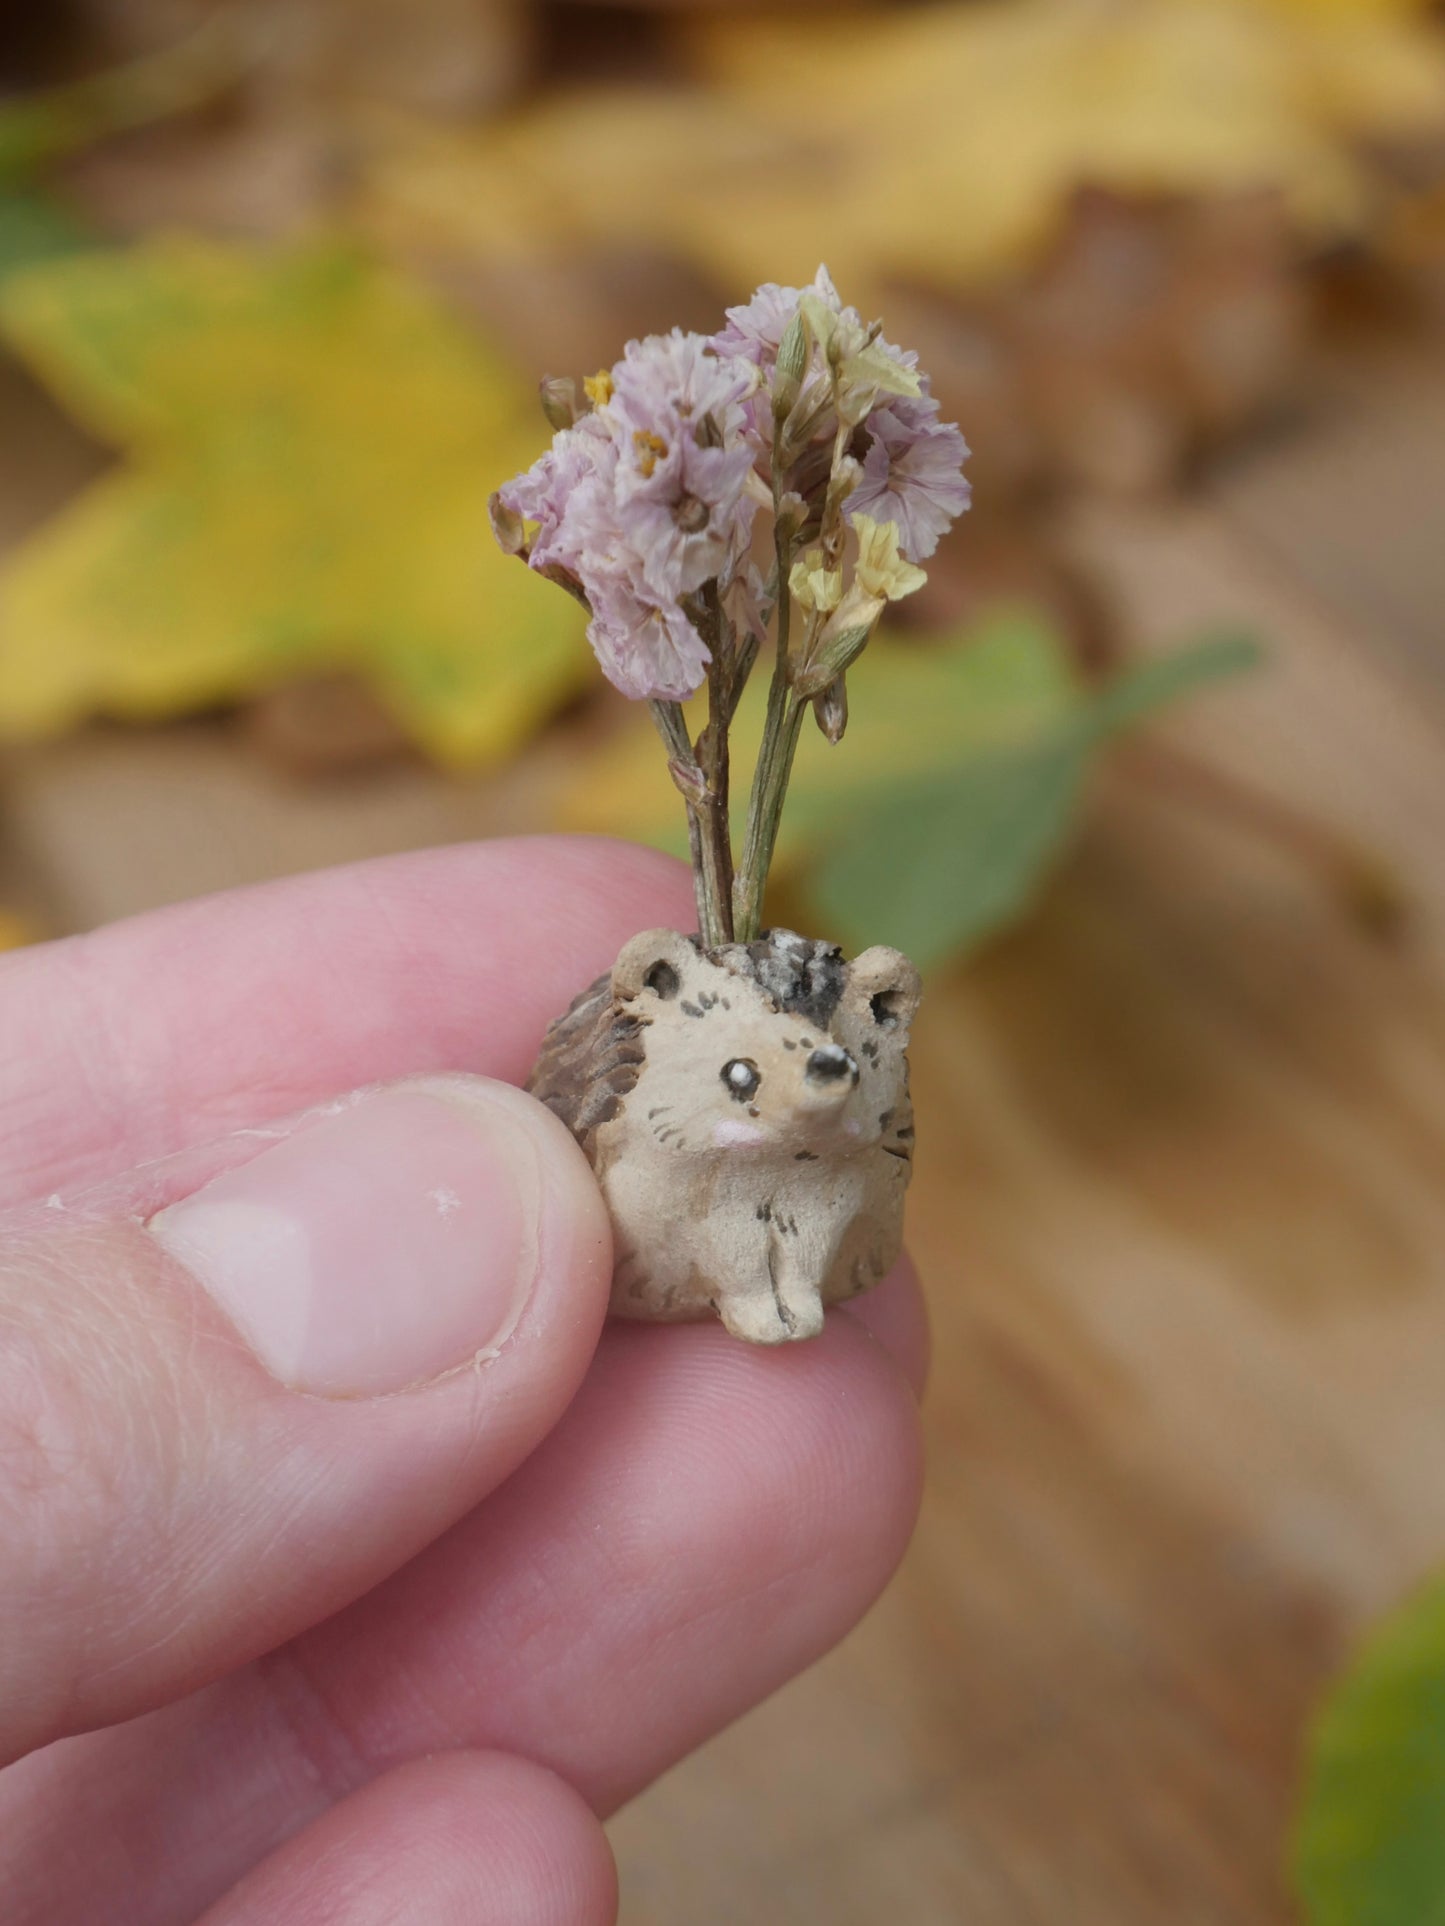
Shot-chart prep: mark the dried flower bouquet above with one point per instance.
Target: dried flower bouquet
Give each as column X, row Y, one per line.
column 742, row 1095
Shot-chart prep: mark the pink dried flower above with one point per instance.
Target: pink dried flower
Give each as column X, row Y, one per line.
column 646, row 645
column 911, row 474
column 644, row 501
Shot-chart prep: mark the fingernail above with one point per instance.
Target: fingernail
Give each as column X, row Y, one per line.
column 379, row 1245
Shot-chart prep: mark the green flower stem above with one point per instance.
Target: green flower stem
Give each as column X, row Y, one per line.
column 781, row 730
column 701, row 776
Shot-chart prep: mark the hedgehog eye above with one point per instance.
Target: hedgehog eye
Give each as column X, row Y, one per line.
column 742, row 1077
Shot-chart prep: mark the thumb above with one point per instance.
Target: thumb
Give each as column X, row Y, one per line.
column 239, row 1388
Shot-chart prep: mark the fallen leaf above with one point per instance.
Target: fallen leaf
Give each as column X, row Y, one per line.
column 932, row 823
column 975, row 125
column 312, row 442
column 34, row 226
column 1370, row 1846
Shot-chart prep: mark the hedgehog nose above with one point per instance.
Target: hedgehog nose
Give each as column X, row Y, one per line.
column 829, row 1063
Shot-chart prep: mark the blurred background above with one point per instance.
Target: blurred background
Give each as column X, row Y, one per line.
column 277, row 283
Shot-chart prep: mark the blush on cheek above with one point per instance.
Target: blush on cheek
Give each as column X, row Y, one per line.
column 736, row 1133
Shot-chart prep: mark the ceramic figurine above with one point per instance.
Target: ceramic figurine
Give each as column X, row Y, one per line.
column 742, row 1094
column 746, row 1111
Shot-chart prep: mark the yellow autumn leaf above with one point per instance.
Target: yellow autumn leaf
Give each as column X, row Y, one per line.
column 938, row 142
column 311, row 442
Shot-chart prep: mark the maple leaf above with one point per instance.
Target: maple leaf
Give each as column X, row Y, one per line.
column 312, row 441
column 953, row 793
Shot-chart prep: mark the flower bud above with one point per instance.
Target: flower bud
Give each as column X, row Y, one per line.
column 688, row 780
column 838, row 648
column 844, row 479
column 830, row 709
column 558, row 395
column 807, row 415
column 792, row 517
column 507, row 525
column 791, row 364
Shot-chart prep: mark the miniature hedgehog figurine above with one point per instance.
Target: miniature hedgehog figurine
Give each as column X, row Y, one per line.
column 746, row 1111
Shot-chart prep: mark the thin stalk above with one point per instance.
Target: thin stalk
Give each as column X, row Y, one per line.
column 784, row 724
column 784, row 720
column 770, row 778
column 767, row 791
column 713, row 825
column 688, row 778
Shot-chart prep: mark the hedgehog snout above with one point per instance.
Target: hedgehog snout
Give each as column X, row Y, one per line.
column 831, row 1064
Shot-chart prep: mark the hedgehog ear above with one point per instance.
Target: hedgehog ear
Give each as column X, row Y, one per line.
column 884, row 988
column 652, row 964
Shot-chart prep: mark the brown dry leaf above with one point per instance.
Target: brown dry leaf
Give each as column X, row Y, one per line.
column 1148, row 331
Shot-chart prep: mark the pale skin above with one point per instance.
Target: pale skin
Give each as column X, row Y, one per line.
column 284, row 1658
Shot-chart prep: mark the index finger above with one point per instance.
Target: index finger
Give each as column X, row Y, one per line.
column 137, row 1040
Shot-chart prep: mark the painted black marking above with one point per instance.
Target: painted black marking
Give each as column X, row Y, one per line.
column 805, row 1157
column 788, row 1044
column 785, row 1316
column 764, row 1212
column 689, row 1009
column 885, row 1118
column 905, row 1130
column 658, row 1110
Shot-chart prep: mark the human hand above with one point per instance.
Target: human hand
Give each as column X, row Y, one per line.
column 355, row 1652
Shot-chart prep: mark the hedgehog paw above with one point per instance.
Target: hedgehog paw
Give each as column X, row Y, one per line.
column 771, row 1319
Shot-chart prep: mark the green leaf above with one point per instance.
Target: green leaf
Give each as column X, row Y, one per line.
column 938, row 865
column 941, row 861
column 1370, row 1847
column 34, row 228
column 1166, row 678
column 934, row 821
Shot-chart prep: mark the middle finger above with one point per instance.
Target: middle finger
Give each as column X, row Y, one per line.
column 706, row 1521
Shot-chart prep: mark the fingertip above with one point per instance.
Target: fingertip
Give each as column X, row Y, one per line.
column 895, row 1316
column 482, row 1836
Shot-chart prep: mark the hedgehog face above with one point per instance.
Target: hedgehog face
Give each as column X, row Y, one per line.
column 728, row 1071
